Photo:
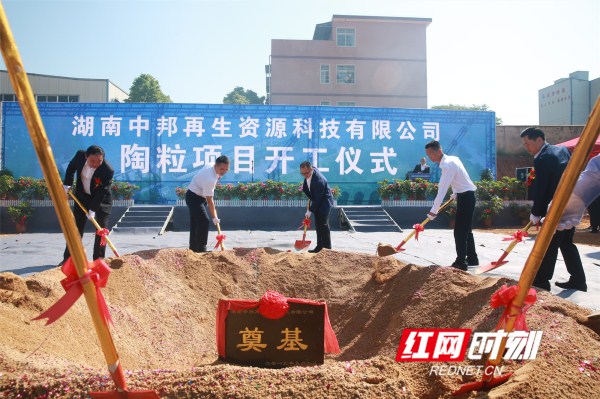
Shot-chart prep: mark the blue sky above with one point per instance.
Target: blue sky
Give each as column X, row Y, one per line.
column 497, row 52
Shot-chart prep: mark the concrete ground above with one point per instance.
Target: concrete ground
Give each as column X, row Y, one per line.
column 26, row 254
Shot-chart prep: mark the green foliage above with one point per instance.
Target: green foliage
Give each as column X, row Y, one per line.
column 123, row 190
column 486, row 174
column 520, row 211
column 7, row 185
column 456, row 107
column 146, row 89
column 491, row 207
column 267, row 190
column 6, row 172
column 20, row 213
column 241, row 96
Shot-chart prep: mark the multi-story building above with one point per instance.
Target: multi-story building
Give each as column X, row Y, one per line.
column 568, row 101
column 353, row 61
column 48, row 88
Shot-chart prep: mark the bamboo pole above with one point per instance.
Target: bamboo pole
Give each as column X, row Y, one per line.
column 24, row 94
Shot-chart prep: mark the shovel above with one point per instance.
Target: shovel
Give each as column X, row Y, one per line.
column 302, row 244
column 98, row 228
column 519, row 235
column 387, row 249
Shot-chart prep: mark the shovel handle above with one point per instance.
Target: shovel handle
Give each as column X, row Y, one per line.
column 95, row 223
column 427, row 220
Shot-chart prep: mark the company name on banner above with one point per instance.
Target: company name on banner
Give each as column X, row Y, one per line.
column 175, row 159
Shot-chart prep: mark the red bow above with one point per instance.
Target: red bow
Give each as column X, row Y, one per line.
column 518, row 235
column 102, row 233
column 73, row 285
column 220, row 239
column 305, row 222
column 273, row 305
column 504, row 297
column 418, row 228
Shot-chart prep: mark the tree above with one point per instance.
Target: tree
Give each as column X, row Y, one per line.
column 241, row 96
column 456, row 107
column 145, row 89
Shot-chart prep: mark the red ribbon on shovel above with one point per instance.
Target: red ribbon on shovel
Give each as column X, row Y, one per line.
column 305, row 222
column 102, row 233
column 73, row 285
column 220, row 239
column 504, row 297
column 518, row 235
column 418, row 228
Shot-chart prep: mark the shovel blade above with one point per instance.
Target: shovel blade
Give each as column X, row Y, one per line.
column 125, row 395
column 301, row 244
column 482, row 385
column 489, row 267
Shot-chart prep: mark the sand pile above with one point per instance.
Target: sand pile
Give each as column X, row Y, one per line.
column 163, row 303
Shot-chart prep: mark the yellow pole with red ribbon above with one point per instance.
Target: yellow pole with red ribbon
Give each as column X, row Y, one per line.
column 542, row 242
column 24, row 94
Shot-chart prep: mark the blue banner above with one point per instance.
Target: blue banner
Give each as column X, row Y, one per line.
column 162, row 146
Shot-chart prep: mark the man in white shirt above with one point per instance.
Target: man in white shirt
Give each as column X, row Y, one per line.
column 200, row 192
column 455, row 176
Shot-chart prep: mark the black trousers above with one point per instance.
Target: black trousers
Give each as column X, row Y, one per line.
column 199, row 221
column 594, row 211
column 562, row 240
column 80, row 221
column 322, row 228
column 463, row 233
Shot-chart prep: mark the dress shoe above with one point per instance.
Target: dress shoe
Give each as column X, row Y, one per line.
column 473, row 261
column 315, row 250
column 542, row 285
column 569, row 285
column 460, row 265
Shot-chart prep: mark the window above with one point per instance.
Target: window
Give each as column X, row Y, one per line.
column 324, row 74
column 345, row 37
column 41, row 99
column 63, row 99
column 346, row 103
column 8, row 97
column 52, row 99
column 325, row 103
column 345, row 74
column 73, row 99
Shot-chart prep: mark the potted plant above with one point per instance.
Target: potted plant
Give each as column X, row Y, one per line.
column 7, row 186
column 123, row 190
column 522, row 212
column 20, row 215
column 490, row 208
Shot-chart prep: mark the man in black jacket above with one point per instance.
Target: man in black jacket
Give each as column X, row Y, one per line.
column 422, row 167
column 317, row 190
column 92, row 189
column 549, row 164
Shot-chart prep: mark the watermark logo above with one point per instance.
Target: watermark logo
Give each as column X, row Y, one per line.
column 432, row 345
column 450, row 345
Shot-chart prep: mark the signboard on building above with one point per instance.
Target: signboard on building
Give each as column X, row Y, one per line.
column 162, row 146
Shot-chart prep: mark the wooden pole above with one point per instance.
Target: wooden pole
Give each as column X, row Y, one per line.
column 20, row 83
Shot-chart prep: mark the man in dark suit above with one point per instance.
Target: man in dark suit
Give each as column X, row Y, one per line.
column 549, row 164
column 317, row 190
column 422, row 167
column 92, row 189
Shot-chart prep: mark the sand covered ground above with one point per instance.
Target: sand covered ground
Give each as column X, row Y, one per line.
column 163, row 303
